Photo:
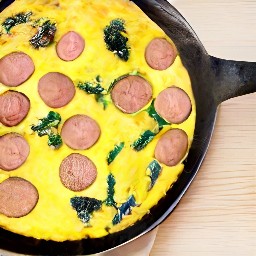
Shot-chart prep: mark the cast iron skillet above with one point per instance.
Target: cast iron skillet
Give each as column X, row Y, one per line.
column 214, row 80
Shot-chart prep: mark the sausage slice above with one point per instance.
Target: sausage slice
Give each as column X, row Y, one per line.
column 14, row 151
column 80, row 132
column 77, row 172
column 172, row 147
column 173, row 104
column 131, row 94
column 18, row 197
column 160, row 54
column 56, row 89
column 70, row 46
column 15, row 68
column 14, row 107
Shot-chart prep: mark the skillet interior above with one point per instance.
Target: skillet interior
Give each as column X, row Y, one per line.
column 206, row 74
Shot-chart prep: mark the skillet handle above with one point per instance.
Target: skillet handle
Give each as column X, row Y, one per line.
column 233, row 78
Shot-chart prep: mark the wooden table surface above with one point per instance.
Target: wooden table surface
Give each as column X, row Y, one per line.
column 217, row 215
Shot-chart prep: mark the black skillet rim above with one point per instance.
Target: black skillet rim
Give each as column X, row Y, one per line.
column 191, row 51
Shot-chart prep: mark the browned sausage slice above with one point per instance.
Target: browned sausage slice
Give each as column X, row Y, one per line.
column 70, row 46
column 160, row 54
column 77, row 172
column 14, row 107
column 131, row 94
column 56, row 89
column 173, row 104
column 80, row 132
column 18, row 197
column 14, row 151
column 15, row 68
column 172, row 147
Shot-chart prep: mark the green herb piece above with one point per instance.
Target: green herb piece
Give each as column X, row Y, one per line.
column 111, row 86
column 22, row 17
column 134, row 73
column 124, row 209
column 98, row 79
column 115, row 39
column 52, row 120
column 148, row 135
column 111, row 191
column 85, row 206
column 39, row 22
column 152, row 113
column 54, row 140
column 113, row 83
column 95, row 87
column 48, row 126
column 143, row 140
column 101, row 98
column 113, row 154
column 91, row 88
column 154, row 169
column 44, row 36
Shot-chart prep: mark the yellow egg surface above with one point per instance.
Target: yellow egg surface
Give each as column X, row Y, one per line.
column 53, row 218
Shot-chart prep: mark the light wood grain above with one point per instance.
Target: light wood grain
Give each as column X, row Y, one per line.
column 217, row 216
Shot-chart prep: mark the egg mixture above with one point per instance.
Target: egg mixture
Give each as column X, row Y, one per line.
column 53, row 218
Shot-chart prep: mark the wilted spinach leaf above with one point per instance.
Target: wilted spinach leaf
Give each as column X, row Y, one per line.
column 113, row 154
column 111, row 191
column 155, row 169
column 152, row 113
column 22, row 17
column 85, row 206
column 124, row 209
column 143, row 140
